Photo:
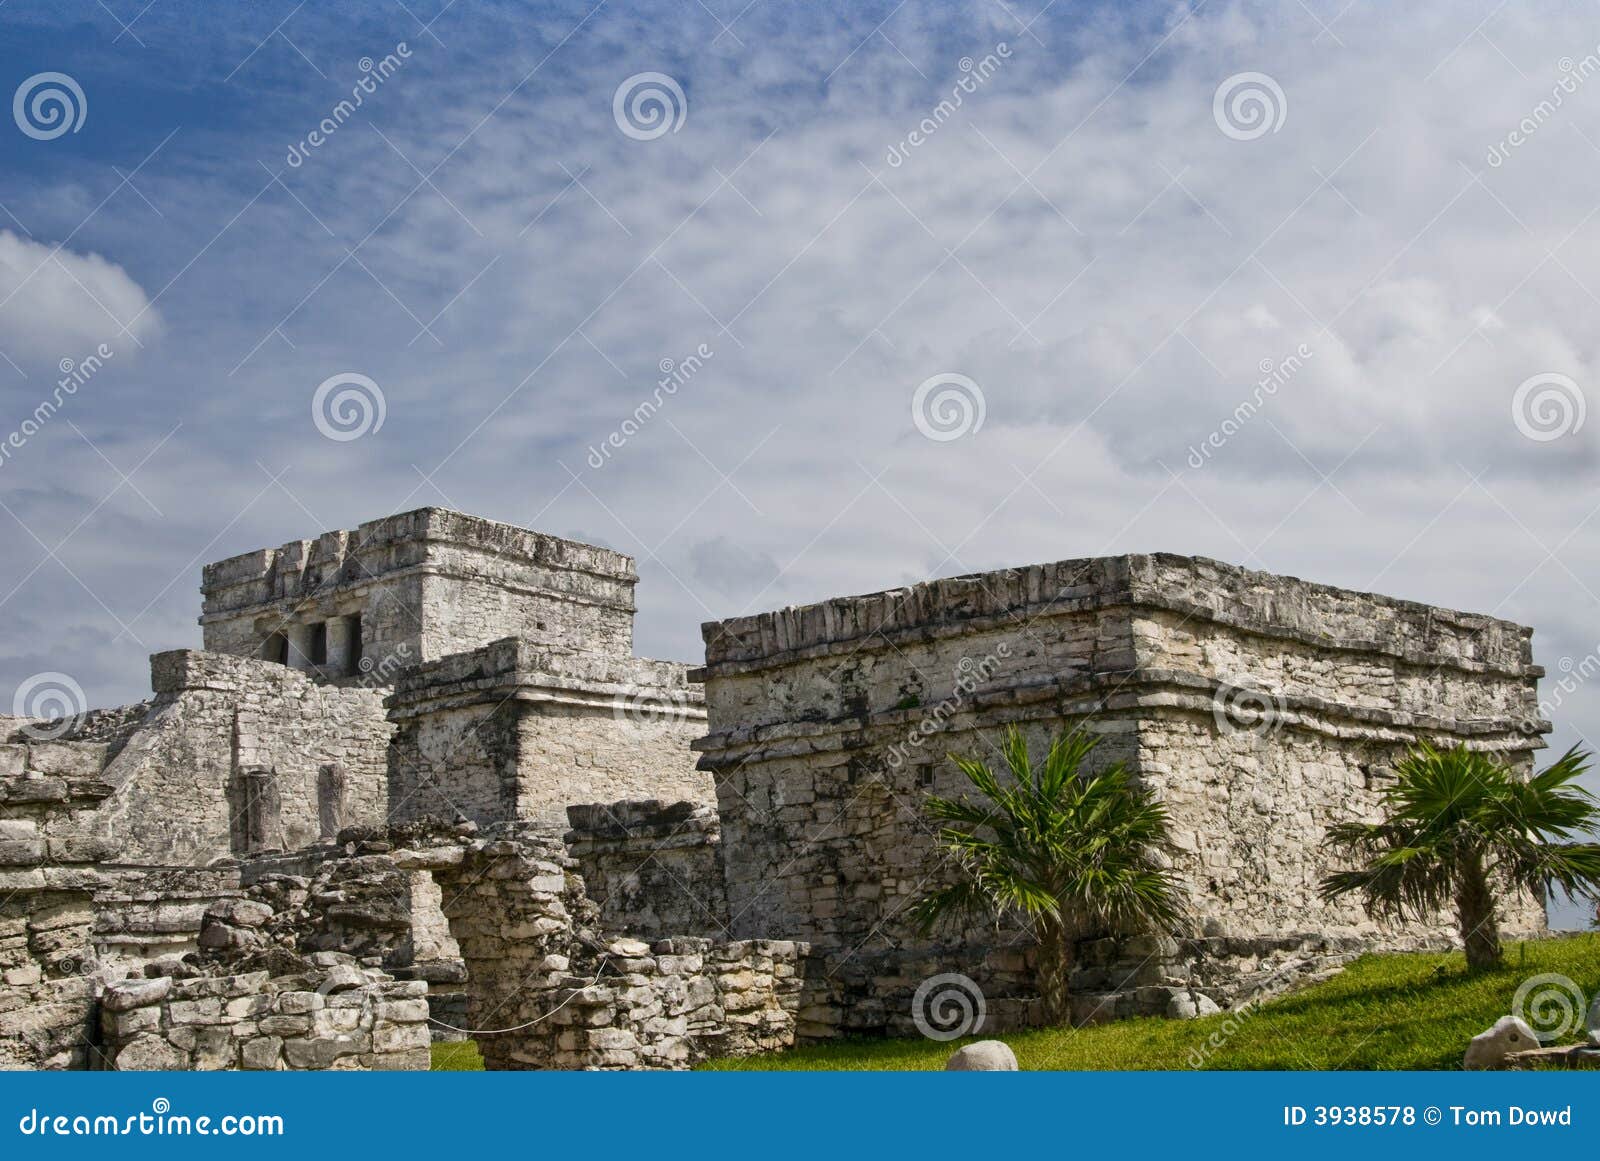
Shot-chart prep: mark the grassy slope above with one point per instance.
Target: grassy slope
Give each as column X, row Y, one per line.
column 1383, row 1012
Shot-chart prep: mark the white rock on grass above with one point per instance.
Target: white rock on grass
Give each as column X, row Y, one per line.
column 1489, row 1049
column 983, row 1056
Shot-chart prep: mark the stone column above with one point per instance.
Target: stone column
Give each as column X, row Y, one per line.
column 262, row 810
column 339, row 646
column 330, row 800
column 299, row 645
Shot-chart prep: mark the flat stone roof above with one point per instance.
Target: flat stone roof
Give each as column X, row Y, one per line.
column 1263, row 603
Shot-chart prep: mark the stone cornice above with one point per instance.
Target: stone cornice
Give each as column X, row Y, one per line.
column 1139, row 694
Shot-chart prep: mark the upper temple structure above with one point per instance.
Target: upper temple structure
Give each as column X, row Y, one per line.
column 416, row 764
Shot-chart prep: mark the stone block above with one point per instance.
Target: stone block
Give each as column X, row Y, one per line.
column 125, row 995
column 67, row 759
column 148, row 1052
column 263, row 1053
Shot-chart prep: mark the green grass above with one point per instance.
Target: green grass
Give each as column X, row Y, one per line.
column 1413, row 1011
column 456, row 1056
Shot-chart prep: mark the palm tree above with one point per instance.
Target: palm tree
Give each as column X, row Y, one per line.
column 1073, row 853
column 1458, row 824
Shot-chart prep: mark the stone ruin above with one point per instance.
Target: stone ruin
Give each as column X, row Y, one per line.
column 416, row 786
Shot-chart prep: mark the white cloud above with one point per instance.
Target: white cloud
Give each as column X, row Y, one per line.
column 57, row 303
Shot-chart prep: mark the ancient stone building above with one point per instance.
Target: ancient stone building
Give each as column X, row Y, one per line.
column 1259, row 708
column 415, row 587
column 518, row 730
column 417, row 779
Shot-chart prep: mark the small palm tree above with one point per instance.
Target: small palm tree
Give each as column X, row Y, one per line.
column 1458, row 824
column 1074, row 854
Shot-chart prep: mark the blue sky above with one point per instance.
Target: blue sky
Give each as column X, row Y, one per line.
column 1089, row 240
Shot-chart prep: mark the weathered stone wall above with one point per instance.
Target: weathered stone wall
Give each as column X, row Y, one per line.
column 348, row 899
column 49, row 976
column 147, row 913
column 257, row 1021
column 547, row 990
column 516, row 731
column 186, row 781
column 651, row 868
column 828, row 725
column 424, row 584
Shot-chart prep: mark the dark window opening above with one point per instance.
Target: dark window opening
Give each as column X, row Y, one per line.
column 276, row 649
column 354, row 625
column 925, row 776
column 319, row 643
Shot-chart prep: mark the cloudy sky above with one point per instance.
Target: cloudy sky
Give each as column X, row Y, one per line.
column 1098, row 228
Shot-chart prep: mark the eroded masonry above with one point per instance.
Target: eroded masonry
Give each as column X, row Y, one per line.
column 416, row 786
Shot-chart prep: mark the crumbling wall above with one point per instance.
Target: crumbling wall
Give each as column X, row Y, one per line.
column 651, row 867
column 223, row 729
column 148, row 913
column 325, row 1020
column 49, row 976
column 547, row 990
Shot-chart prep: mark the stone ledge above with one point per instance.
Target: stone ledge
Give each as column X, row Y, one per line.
column 1124, row 693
